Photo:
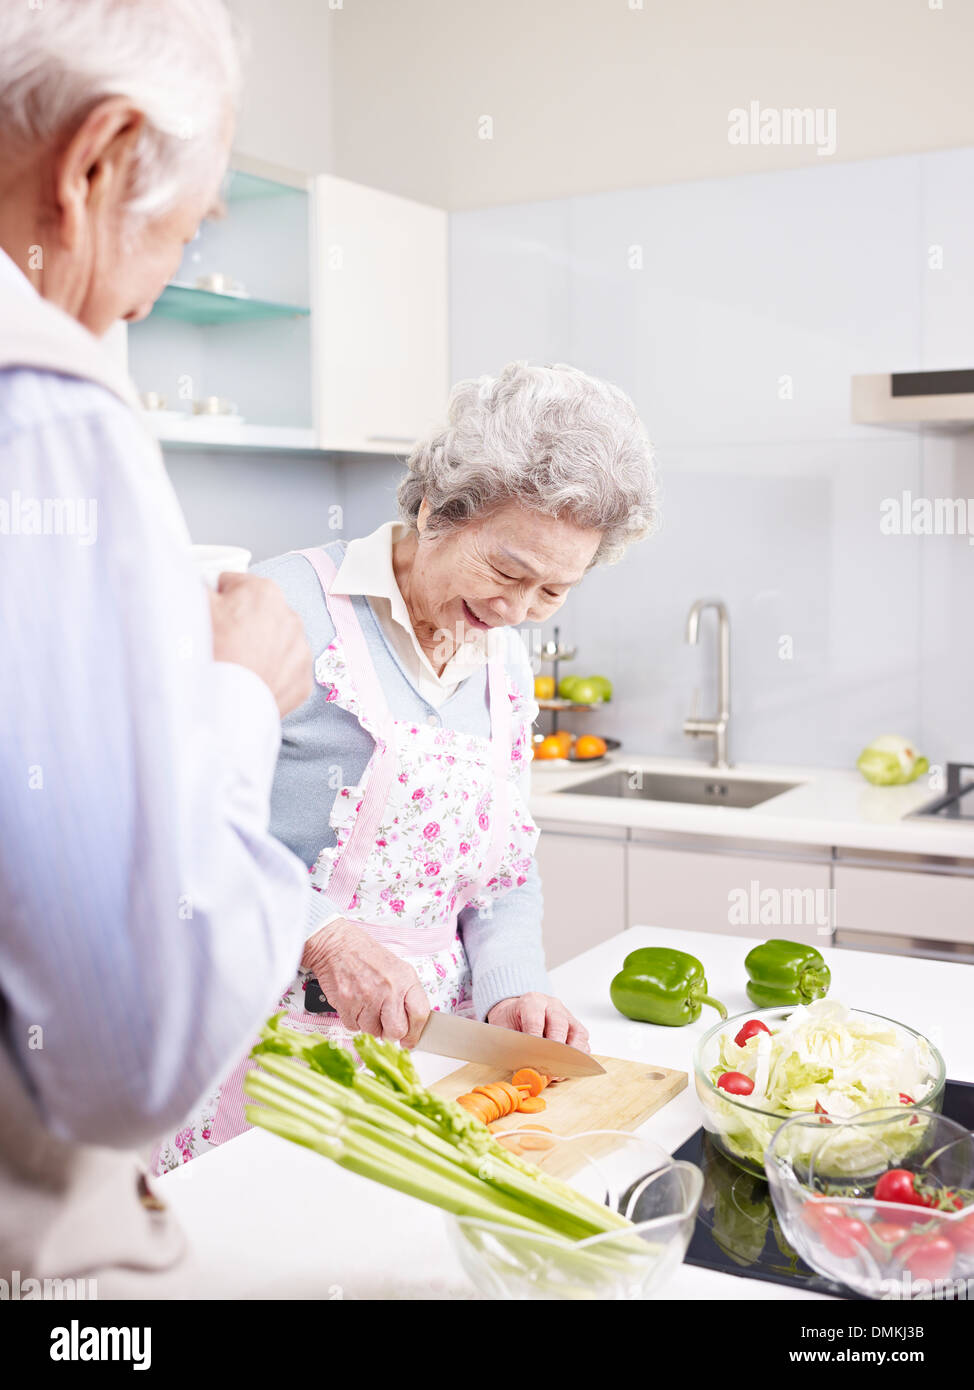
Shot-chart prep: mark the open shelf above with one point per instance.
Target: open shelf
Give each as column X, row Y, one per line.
column 568, row 704
column 210, row 432
column 241, row 185
column 191, row 305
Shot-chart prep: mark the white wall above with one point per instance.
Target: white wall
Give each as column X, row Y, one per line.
column 271, row 503
column 288, row 101
column 769, row 503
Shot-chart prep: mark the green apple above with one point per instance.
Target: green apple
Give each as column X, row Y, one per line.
column 603, row 685
column 584, row 692
column 565, row 686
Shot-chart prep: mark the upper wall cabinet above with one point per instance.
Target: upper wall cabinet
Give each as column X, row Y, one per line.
column 225, row 357
column 380, row 321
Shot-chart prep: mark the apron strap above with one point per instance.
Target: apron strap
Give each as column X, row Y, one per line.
column 349, row 865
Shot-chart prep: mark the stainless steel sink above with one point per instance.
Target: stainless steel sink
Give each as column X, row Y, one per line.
column 699, row 789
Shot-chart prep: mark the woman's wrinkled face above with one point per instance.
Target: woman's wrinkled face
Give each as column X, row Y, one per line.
column 510, row 567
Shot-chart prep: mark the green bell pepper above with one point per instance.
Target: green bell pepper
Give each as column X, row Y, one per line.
column 659, row 985
column 785, row 972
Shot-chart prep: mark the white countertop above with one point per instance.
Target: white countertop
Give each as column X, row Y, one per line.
column 831, row 806
column 268, row 1219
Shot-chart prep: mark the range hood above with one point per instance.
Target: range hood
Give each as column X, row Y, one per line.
column 944, row 400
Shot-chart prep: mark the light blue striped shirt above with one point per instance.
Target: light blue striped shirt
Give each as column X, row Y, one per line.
column 148, row 920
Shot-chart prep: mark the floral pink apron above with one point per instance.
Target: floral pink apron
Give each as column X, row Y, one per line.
column 437, row 823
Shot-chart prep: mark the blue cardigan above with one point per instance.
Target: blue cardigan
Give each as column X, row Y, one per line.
column 505, row 951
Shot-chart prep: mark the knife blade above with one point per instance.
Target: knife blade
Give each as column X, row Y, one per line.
column 446, row 1035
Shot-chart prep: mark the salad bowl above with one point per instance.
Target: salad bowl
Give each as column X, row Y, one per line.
column 882, row 1202
column 634, row 1177
column 877, row 1059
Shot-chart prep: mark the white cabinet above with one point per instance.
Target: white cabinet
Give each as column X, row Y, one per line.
column 745, row 893
column 583, row 879
column 913, row 904
column 380, row 321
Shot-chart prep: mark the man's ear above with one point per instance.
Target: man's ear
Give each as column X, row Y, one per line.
column 94, row 168
column 421, row 515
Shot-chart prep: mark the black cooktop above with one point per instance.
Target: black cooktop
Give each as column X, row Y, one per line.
column 737, row 1231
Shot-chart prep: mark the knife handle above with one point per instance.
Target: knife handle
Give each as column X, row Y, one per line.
column 314, row 1001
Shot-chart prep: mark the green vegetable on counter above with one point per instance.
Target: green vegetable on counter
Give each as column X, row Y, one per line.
column 660, row 985
column 785, row 972
column 383, row 1124
column 890, row 761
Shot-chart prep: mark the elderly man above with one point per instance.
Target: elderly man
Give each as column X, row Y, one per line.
column 149, row 921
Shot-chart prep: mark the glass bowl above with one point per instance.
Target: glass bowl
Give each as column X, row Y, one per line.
column 823, row 1177
column 742, row 1131
column 631, row 1175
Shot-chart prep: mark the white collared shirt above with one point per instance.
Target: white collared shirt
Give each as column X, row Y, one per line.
column 367, row 569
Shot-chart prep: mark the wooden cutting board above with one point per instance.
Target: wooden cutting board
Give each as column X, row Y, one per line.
column 627, row 1094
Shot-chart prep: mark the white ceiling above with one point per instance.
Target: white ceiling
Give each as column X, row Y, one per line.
column 589, row 95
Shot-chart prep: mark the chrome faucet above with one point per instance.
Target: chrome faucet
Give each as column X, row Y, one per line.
column 718, row 726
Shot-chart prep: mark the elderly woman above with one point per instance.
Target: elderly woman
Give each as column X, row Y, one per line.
column 403, row 782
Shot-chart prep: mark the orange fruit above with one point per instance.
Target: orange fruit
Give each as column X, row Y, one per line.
column 589, row 746
column 565, row 739
column 549, row 747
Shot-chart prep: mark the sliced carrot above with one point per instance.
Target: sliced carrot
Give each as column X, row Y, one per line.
column 480, row 1106
column 490, row 1093
column 512, row 1093
column 500, row 1097
column 470, row 1102
column 533, row 1105
column 532, row 1140
column 491, row 1102
column 527, row 1076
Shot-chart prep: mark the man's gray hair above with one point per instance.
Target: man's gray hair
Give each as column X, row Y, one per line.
column 551, row 439
column 176, row 61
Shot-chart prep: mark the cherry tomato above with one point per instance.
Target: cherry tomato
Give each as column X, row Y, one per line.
column 927, row 1257
column 898, row 1186
column 752, row 1026
column 890, row 1232
column 905, row 1099
column 844, row 1236
column 821, row 1110
column 816, row 1213
column 961, row 1233
column 735, row 1083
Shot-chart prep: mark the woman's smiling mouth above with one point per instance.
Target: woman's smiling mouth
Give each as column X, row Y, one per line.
column 472, row 618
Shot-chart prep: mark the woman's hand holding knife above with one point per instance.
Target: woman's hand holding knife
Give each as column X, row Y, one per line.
column 370, row 988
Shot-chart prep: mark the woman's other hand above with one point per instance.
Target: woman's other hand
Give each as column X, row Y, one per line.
column 542, row 1015
column 372, row 990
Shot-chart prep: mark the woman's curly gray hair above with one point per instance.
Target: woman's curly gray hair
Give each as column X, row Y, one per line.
column 552, row 439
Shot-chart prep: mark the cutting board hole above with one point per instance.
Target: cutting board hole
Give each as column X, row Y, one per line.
column 655, row 1075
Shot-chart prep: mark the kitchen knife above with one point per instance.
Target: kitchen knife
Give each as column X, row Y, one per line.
column 446, row 1035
